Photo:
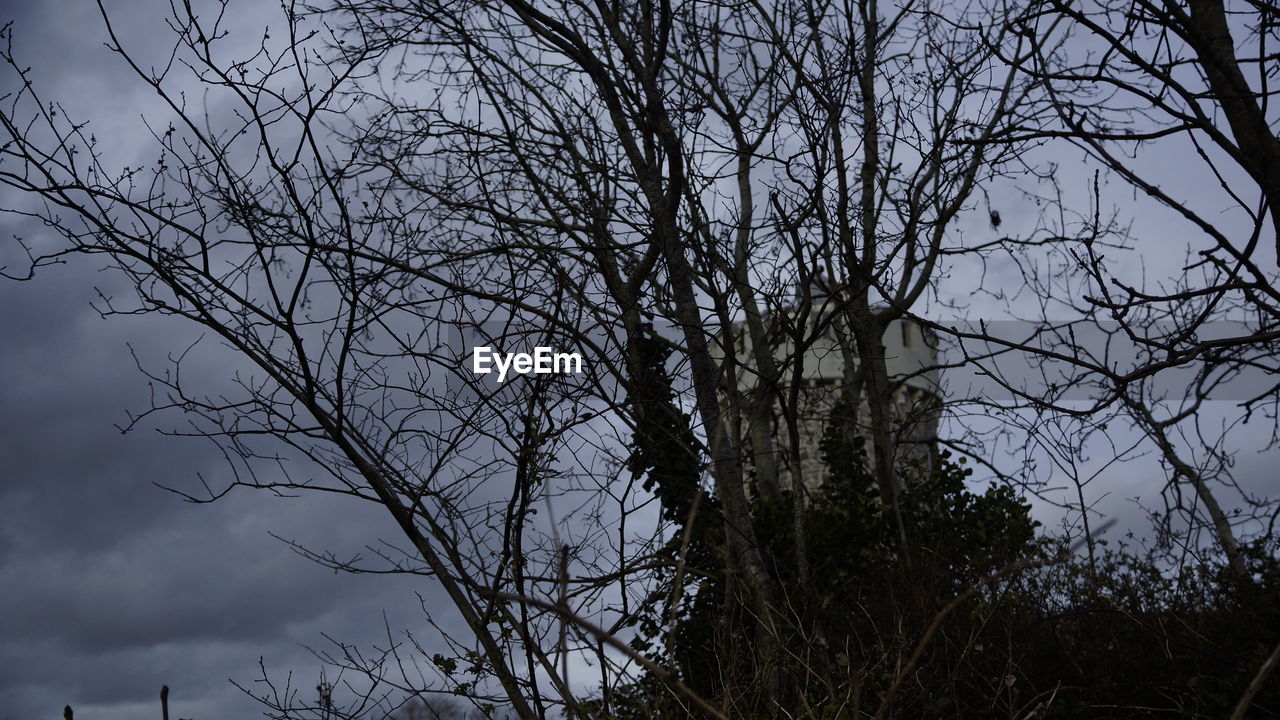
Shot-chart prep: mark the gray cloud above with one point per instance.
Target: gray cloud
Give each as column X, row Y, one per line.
column 114, row 586
column 109, row 585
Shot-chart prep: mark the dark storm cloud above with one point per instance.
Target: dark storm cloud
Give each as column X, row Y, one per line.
column 109, row 585
column 113, row 586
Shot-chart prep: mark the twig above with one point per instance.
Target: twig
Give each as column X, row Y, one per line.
column 1263, row 673
column 666, row 676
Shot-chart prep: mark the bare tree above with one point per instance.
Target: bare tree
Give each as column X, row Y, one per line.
column 689, row 156
column 360, row 198
column 1128, row 83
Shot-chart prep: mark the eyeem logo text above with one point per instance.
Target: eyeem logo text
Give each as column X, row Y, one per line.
column 543, row 361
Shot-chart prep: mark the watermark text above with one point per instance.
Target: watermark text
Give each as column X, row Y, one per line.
column 542, row 361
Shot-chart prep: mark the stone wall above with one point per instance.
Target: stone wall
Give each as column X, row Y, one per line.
column 910, row 355
column 915, row 427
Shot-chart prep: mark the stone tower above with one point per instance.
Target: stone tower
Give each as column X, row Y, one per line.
column 911, row 360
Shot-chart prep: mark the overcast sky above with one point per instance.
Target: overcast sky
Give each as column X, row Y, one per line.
column 110, row 586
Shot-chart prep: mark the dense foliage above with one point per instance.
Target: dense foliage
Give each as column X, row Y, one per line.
column 1039, row 630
